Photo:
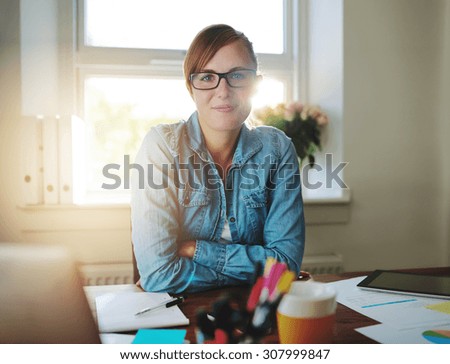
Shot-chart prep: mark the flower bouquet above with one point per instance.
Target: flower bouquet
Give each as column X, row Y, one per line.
column 302, row 123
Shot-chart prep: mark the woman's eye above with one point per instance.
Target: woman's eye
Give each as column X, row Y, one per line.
column 237, row 75
column 207, row 77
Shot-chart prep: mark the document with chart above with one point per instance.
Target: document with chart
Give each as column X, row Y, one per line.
column 400, row 311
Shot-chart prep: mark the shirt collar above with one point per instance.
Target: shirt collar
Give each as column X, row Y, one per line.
column 248, row 143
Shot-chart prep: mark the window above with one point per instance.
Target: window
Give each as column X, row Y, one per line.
column 117, row 82
column 92, row 85
column 129, row 66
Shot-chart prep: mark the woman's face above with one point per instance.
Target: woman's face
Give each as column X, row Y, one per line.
column 225, row 108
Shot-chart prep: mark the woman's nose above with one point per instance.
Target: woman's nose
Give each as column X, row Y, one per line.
column 223, row 88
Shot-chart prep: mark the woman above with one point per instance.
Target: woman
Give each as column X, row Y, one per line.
column 218, row 197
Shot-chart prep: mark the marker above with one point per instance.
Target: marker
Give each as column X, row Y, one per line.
column 174, row 301
column 283, row 285
column 254, row 294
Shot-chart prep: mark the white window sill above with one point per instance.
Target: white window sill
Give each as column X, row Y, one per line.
column 76, row 207
column 343, row 199
column 106, row 216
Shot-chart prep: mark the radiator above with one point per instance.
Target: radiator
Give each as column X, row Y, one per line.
column 323, row 264
column 106, row 274
column 122, row 273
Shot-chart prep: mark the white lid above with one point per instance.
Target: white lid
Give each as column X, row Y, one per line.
column 308, row 299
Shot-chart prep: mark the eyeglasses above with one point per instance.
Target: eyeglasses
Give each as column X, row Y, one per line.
column 211, row 80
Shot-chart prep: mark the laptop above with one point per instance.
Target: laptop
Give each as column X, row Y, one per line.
column 42, row 298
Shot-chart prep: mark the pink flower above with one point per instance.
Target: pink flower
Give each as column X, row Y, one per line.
column 292, row 109
column 298, row 106
column 314, row 112
column 305, row 112
column 322, row 120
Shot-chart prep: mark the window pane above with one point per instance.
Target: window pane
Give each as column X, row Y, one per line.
column 118, row 114
column 172, row 24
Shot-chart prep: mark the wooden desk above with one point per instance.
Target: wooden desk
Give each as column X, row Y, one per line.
column 347, row 320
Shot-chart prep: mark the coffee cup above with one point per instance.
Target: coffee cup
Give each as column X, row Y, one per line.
column 306, row 314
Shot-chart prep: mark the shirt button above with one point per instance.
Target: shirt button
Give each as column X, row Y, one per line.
column 232, row 219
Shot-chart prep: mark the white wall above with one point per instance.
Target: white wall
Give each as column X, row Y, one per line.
column 324, row 79
column 392, row 67
column 39, row 57
column 395, row 125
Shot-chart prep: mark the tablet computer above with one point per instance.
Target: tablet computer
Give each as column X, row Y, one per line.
column 407, row 283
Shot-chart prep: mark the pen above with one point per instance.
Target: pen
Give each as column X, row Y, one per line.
column 174, row 301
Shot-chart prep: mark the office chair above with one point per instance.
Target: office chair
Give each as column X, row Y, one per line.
column 136, row 275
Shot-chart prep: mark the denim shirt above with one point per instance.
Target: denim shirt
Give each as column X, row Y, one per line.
column 178, row 195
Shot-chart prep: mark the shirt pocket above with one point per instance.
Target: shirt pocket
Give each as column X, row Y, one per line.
column 195, row 207
column 254, row 214
column 255, row 199
column 192, row 198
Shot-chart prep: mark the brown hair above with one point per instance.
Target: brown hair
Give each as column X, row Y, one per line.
column 205, row 45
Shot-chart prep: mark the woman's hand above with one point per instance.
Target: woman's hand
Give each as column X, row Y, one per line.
column 187, row 249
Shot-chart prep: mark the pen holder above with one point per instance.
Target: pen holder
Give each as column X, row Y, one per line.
column 238, row 322
column 224, row 324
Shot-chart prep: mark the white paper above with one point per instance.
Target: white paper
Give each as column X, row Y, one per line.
column 116, row 312
column 398, row 310
column 116, row 338
column 387, row 334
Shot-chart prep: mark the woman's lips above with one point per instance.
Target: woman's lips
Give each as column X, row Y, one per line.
column 223, row 108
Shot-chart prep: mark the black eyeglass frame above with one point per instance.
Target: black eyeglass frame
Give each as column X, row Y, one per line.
column 221, row 75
